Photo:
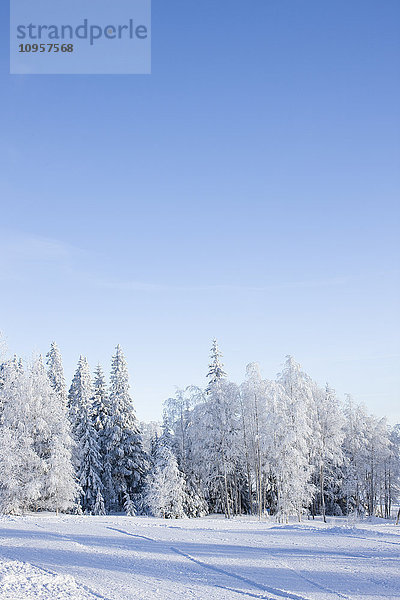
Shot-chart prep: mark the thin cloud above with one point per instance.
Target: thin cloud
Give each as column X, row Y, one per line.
column 20, row 253
column 155, row 287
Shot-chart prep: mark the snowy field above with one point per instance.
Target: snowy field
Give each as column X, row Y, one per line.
column 130, row 558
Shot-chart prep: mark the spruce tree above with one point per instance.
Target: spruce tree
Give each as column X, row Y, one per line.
column 100, row 404
column 101, row 411
column 55, row 373
column 87, row 454
column 216, row 367
column 126, row 458
column 99, row 508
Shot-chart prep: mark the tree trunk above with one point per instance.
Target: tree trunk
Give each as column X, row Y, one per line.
column 321, row 482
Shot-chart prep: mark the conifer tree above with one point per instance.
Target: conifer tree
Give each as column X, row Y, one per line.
column 55, row 373
column 99, row 508
column 216, row 367
column 127, row 460
column 215, row 438
column 100, row 403
column 101, row 421
column 129, row 506
column 87, row 455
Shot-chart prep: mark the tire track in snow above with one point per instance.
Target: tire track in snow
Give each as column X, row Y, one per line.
column 352, row 556
column 358, row 537
column 260, row 586
column 317, row 585
column 271, row 590
column 243, row 593
column 387, row 585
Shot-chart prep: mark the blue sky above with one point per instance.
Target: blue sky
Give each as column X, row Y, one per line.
column 247, row 189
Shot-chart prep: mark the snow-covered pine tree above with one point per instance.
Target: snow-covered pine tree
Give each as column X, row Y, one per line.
column 101, row 411
column 55, row 373
column 129, row 506
column 214, row 438
column 216, row 367
column 127, row 460
column 99, row 508
column 87, row 454
column 165, row 493
column 100, row 403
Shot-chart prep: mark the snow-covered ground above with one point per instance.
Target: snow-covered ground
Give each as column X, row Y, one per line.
column 141, row 558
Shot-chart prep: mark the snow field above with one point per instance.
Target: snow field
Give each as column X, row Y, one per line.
column 144, row 558
column 26, row 582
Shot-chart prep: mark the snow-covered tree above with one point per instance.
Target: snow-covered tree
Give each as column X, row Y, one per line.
column 101, row 421
column 127, row 460
column 87, row 454
column 216, row 367
column 165, row 493
column 285, row 446
column 294, row 411
column 36, row 446
column 149, row 431
column 55, row 373
column 328, row 435
column 61, row 489
column 378, row 449
column 180, row 419
column 129, row 506
column 100, row 403
column 52, row 441
column 253, row 405
column 392, row 473
column 215, row 444
column 99, row 507
column 21, row 468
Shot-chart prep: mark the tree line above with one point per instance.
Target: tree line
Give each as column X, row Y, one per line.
column 280, row 447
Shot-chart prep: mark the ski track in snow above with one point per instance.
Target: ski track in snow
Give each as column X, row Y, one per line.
column 275, row 591
column 45, row 557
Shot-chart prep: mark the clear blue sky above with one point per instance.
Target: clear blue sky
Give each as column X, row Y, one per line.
column 248, row 189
